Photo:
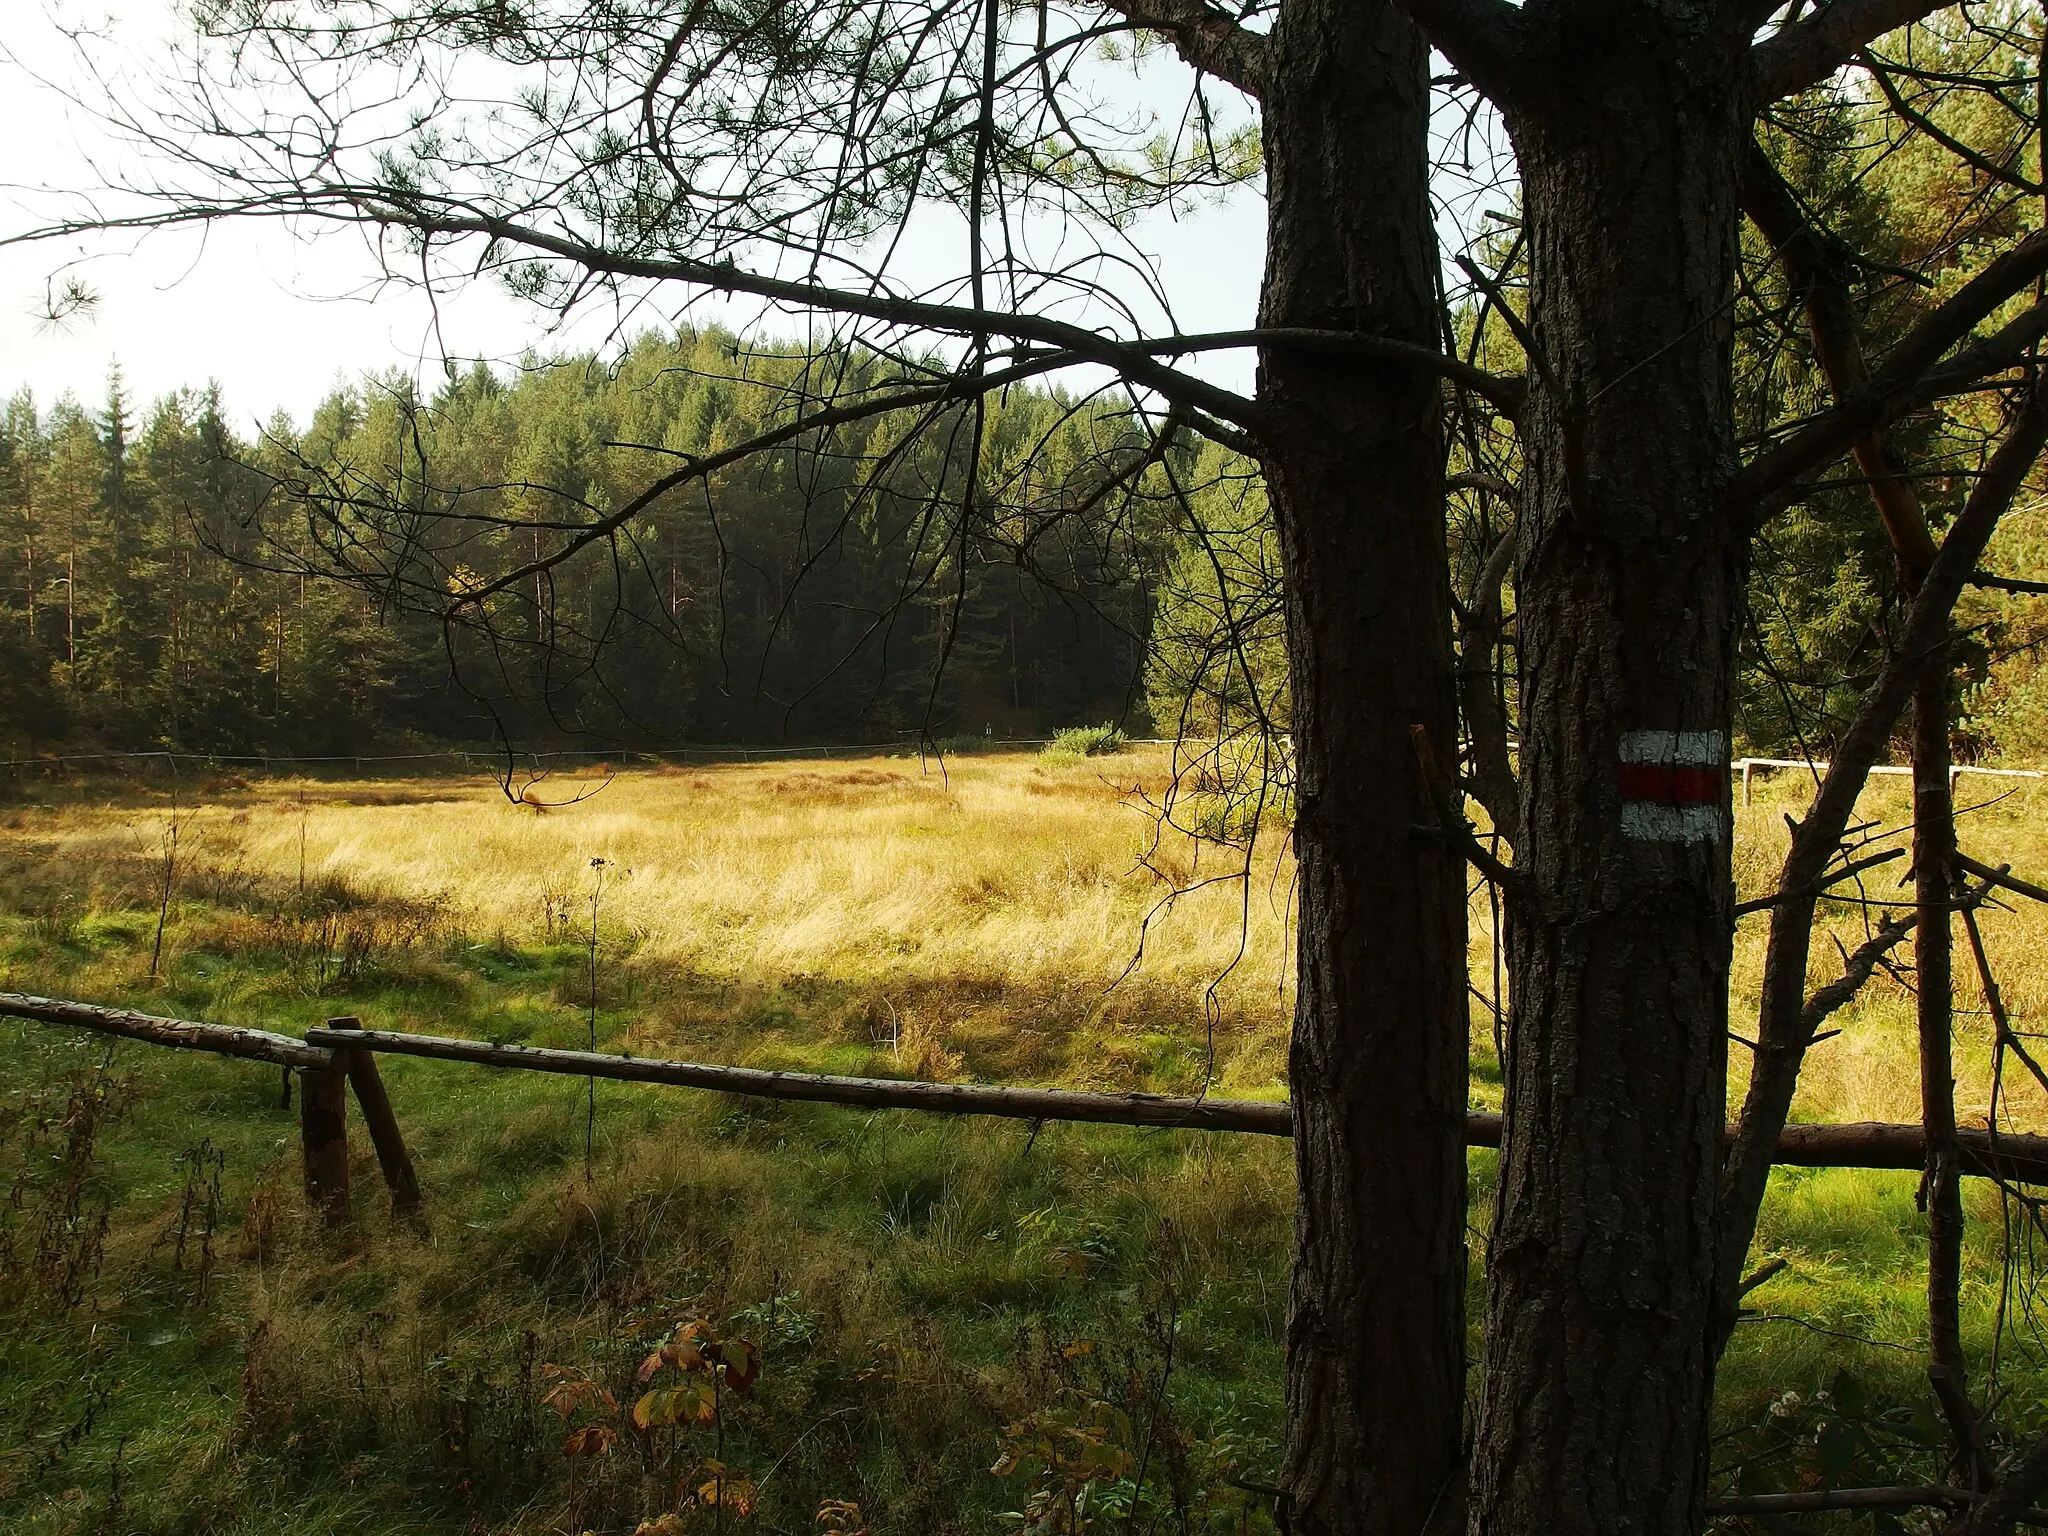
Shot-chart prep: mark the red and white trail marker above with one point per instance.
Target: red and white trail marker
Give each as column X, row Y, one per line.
column 1673, row 784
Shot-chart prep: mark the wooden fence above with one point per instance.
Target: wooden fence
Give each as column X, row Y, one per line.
column 342, row 1055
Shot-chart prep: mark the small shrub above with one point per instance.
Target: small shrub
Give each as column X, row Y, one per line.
column 1077, row 742
column 336, row 936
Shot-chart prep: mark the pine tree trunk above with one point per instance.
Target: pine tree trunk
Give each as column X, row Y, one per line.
column 1378, row 1067
column 1594, row 1409
column 1934, row 852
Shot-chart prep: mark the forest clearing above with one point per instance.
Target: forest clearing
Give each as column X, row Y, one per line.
column 931, row 1298
column 1377, row 1072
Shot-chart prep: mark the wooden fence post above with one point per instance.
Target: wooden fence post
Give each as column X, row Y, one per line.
column 323, row 1136
column 375, row 1104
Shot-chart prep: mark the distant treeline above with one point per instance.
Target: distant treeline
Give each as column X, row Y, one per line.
column 169, row 581
column 162, row 574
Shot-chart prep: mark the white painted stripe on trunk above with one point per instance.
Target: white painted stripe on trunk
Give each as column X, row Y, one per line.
column 1670, row 823
column 1683, row 749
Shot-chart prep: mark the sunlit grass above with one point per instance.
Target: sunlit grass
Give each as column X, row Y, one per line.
column 1870, row 1070
column 991, row 912
column 872, row 916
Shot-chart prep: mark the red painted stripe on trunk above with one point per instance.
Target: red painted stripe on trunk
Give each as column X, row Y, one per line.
column 1669, row 784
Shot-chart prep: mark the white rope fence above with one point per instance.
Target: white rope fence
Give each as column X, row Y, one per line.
column 1817, row 767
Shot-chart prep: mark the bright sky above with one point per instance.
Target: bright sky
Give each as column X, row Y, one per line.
column 277, row 319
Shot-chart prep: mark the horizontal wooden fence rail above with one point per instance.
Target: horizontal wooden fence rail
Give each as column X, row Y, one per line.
column 2022, row 1159
column 222, row 1039
column 1266, row 1118
column 1874, row 1144
column 1822, row 1500
column 1864, row 1145
column 1743, row 765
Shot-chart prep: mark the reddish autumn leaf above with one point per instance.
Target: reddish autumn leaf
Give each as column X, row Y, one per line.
column 590, row 1440
column 734, row 1493
column 742, row 1364
column 573, row 1392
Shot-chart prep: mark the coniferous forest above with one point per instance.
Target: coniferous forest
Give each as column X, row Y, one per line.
column 167, row 572
column 170, row 576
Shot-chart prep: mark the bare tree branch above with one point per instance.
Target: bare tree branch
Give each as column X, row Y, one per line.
column 2002, row 878
column 1784, row 1025
column 1834, row 878
column 1208, row 38
column 420, row 215
column 2008, row 584
column 1135, row 359
column 1814, row 270
column 1908, row 378
column 1807, row 52
column 1856, row 970
column 1880, row 72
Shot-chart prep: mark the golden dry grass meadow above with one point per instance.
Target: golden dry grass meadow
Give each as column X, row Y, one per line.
column 184, row 1349
column 1007, row 918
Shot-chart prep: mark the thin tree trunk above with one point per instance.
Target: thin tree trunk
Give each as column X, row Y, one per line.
column 1375, row 1332
column 1784, row 1025
column 1593, row 1416
column 1818, row 277
column 1934, row 851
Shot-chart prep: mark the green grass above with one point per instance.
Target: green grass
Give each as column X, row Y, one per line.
column 923, row 1288
column 938, row 1273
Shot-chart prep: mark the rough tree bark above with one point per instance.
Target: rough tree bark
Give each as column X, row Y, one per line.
column 1598, row 1367
column 1353, row 454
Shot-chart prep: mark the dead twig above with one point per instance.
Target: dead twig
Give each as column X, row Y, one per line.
column 2001, row 877
column 1822, row 886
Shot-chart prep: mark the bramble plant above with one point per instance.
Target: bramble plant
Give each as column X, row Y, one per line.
column 571, row 1392
column 688, row 1378
column 702, row 1367
column 1078, row 1459
column 841, row 1517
